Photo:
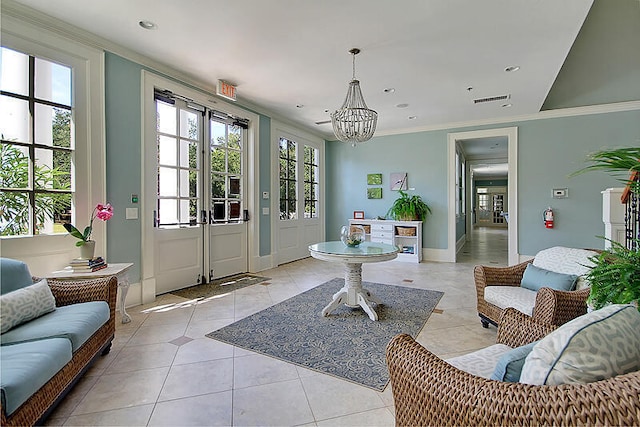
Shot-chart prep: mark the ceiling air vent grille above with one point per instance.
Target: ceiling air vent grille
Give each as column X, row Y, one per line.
column 491, row 99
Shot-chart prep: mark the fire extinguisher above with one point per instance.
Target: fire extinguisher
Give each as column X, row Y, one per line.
column 548, row 217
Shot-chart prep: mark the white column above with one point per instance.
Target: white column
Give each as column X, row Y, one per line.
column 613, row 216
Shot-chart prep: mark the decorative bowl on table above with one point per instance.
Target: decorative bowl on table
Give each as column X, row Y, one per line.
column 352, row 235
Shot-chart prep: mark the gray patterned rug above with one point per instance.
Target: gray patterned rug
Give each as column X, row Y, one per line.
column 220, row 286
column 346, row 344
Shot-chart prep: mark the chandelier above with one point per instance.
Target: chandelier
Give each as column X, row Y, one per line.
column 354, row 122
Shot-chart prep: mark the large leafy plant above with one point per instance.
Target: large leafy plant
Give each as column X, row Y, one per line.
column 615, row 276
column 620, row 162
column 407, row 208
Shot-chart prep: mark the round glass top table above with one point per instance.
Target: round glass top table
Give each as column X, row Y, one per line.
column 353, row 294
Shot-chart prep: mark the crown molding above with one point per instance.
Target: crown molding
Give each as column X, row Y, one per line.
column 542, row 115
column 34, row 17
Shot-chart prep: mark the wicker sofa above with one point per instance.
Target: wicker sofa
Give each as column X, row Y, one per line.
column 546, row 305
column 42, row 358
column 429, row 391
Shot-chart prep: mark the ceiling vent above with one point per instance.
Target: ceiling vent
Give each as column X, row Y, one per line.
column 491, row 99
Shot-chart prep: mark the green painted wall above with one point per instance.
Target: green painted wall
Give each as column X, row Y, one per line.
column 548, row 152
column 265, row 184
column 123, row 116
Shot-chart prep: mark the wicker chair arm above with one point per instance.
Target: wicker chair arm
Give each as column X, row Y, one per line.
column 516, row 328
column 68, row 292
column 558, row 307
column 429, row 391
column 499, row 276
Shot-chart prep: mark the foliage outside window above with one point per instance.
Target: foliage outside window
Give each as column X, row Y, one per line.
column 36, row 148
column 288, row 179
column 311, row 184
column 226, row 171
column 178, row 138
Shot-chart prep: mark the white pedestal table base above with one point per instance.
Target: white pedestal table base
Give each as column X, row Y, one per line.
column 353, row 294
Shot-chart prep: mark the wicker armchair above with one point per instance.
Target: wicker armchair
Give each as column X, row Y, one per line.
column 429, row 391
column 552, row 306
column 37, row 407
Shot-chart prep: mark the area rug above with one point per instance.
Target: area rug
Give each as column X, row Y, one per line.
column 220, row 286
column 346, row 344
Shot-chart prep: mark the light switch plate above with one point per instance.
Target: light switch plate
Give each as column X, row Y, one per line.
column 560, row 193
column 131, row 213
column 265, row 211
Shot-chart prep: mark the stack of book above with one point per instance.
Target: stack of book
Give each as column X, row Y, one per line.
column 81, row 265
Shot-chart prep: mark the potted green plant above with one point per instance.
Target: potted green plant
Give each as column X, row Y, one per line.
column 408, row 208
column 615, row 277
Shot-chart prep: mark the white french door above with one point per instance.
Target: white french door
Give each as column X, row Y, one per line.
column 200, row 228
column 300, row 196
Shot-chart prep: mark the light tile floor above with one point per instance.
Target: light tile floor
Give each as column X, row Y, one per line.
column 163, row 371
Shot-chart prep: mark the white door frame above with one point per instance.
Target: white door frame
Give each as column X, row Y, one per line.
column 149, row 81
column 278, row 130
column 511, row 134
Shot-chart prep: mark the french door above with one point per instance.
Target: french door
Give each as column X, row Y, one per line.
column 299, row 171
column 200, row 232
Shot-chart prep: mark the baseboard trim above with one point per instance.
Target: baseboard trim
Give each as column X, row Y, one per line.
column 436, row 255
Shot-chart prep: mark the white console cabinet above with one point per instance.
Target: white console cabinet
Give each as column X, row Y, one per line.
column 407, row 235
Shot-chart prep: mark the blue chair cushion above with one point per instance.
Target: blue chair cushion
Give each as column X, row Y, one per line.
column 76, row 322
column 509, row 366
column 26, row 367
column 14, row 275
column 535, row 278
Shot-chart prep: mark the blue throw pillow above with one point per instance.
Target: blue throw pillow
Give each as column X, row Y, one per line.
column 14, row 275
column 510, row 364
column 535, row 278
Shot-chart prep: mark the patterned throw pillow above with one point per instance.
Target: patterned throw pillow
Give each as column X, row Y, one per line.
column 24, row 304
column 566, row 261
column 592, row 347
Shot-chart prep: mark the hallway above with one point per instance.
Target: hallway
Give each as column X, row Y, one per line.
column 488, row 246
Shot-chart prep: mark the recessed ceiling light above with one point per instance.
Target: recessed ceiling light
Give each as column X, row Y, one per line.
column 413, row 117
column 326, row 111
column 299, row 106
column 147, row 25
column 389, row 90
column 512, row 68
column 470, row 88
column 506, row 105
column 402, row 105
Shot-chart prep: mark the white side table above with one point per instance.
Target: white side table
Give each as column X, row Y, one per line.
column 120, row 270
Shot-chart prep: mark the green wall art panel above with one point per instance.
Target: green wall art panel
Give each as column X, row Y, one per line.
column 374, row 193
column 374, row 179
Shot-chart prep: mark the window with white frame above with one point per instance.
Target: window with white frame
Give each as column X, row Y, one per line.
column 37, row 144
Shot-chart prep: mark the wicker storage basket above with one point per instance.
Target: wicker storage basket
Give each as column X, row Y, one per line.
column 367, row 228
column 406, row 231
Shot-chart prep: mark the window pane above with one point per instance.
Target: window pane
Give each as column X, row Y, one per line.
column 218, row 160
column 184, row 212
column 168, row 211
column 235, row 161
column 234, row 210
column 14, row 213
column 184, row 183
column 167, row 151
column 189, row 125
column 52, row 126
column 53, row 82
column 218, row 187
column 14, row 71
column 51, row 210
column 218, row 133
column 15, row 167
column 193, row 212
column 166, row 118
column 234, row 187
column 167, row 182
column 14, row 116
column 235, row 137
column 218, row 211
column 44, row 169
column 189, row 154
column 193, row 184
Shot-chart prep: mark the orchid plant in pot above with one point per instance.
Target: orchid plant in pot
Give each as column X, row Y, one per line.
column 87, row 246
